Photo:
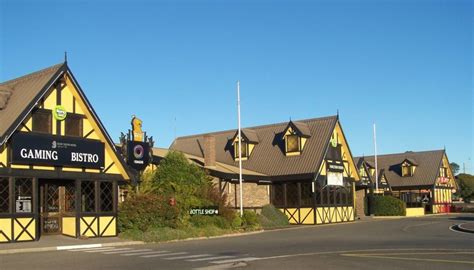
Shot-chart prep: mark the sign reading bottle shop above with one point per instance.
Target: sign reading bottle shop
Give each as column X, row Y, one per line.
column 50, row 150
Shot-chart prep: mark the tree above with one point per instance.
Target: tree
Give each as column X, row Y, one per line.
column 454, row 167
column 466, row 186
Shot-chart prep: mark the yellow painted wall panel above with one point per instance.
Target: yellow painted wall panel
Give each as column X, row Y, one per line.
column 50, row 100
column 351, row 213
column 3, row 156
column 68, row 169
column 307, row 216
column 69, row 226
column 414, row 212
column 17, row 229
column 67, row 99
column 43, row 168
column 6, row 228
column 111, row 229
column 84, row 227
column 15, row 166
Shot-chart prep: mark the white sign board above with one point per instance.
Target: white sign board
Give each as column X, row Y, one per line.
column 335, row 179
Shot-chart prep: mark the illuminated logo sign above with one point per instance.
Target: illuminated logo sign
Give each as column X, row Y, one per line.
column 59, row 112
column 138, row 155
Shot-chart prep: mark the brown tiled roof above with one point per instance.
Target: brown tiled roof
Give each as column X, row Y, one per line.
column 17, row 94
column 222, row 168
column 302, row 128
column 268, row 156
column 425, row 174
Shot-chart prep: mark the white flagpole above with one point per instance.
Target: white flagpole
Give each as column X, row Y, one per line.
column 240, row 149
column 376, row 167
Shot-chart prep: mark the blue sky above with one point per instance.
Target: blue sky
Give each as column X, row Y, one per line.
column 406, row 65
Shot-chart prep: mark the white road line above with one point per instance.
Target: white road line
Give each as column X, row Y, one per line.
column 100, row 250
column 137, row 251
column 112, row 249
column 87, row 249
column 145, row 253
column 118, row 251
column 247, row 259
column 211, row 258
column 188, row 257
column 162, row 255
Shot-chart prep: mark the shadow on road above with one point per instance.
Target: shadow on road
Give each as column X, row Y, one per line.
column 463, row 218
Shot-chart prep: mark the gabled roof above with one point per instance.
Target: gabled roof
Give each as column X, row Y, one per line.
column 22, row 93
column 249, row 135
column 220, row 169
column 268, row 157
column 26, row 93
column 301, row 127
column 425, row 174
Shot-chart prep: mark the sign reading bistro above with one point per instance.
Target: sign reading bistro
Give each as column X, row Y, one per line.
column 44, row 149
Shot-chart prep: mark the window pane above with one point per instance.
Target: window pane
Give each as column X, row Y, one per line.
column 106, row 197
column 278, row 196
column 73, row 126
column 306, row 194
column 4, row 195
column 88, row 196
column 70, row 197
column 42, row 121
column 23, row 195
column 292, row 194
column 244, row 149
column 292, row 143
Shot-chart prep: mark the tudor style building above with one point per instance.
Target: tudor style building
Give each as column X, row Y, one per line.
column 59, row 169
column 421, row 179
column 305, row 167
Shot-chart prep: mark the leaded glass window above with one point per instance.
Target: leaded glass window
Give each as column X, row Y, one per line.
column 106, row 197
column 70, row 198
column 278, row 195
column 306, row 194
column 292, row 194
column 88, row 196
column 292, row 143
column 244, row 151
column 4, row 195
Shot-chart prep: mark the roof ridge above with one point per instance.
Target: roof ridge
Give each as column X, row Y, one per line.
column 402, row 153
column 32, row 75
column 254, row 127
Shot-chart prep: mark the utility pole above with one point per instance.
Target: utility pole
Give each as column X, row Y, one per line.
column 376, row 167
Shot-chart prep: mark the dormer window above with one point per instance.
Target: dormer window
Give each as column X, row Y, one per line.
column 248, row 141
column 295, row 136
column 244, row 149
column 408, row 167
column 292, row 143
column 443, row 172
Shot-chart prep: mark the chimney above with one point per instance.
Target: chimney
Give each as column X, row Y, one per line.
column 209, row 151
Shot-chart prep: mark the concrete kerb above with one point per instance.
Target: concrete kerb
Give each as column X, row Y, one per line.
column 462, row 227
column 69, row 247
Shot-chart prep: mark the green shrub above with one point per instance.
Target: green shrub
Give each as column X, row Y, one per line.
column 388, row 206
column 236, row 221
column 250, row 219
column 271, row 217
column 144, row 211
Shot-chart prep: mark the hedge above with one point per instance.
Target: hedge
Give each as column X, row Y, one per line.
column 388, row 206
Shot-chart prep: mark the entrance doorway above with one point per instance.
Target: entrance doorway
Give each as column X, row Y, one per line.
column 57, row 200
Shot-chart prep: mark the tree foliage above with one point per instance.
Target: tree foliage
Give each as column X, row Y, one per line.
column 466, row 186
column 454, row 167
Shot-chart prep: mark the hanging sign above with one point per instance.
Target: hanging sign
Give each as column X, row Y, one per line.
column 138, row 155
column 51, row 150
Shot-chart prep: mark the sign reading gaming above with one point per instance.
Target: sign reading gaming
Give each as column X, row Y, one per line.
column 50, row 150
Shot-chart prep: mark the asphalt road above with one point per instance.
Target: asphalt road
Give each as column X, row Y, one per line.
column 409, row 243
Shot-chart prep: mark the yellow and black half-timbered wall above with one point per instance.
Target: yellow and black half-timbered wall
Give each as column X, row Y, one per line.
column 59, row 170
column 423, row 180
column 304, row 168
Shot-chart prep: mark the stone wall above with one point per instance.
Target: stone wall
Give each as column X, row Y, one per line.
column 360, row 203
column 254, row 195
